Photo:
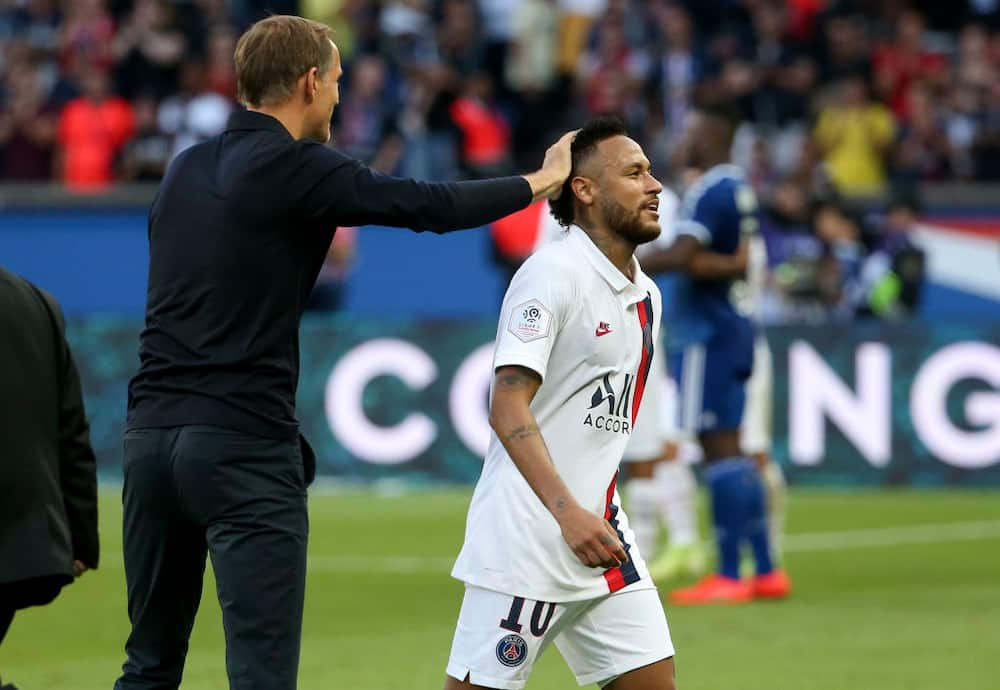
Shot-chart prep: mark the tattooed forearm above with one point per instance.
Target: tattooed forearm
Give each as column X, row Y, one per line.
column 561, row 504
column 516, row 379
column 513, row 379
column 522, row 432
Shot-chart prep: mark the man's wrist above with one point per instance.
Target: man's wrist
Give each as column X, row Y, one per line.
column 563, row 507
column 543, row 184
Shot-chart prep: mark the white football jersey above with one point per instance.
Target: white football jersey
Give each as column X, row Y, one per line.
column 589, row 331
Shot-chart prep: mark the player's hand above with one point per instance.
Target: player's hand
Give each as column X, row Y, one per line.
column 547, row 182
column 79, row 568
column 591, row 538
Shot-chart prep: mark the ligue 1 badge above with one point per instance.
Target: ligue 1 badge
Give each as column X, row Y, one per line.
column 512, row 650
column 529, row 321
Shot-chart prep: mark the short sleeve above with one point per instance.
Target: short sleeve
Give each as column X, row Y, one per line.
column 534, row 310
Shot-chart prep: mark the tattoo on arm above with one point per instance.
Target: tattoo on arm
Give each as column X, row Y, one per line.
column 513, row 379
column 510, row 380
column 522, row 432
column 560, row 504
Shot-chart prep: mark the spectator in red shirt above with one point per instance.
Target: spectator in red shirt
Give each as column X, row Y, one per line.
column 898, row 64
column 485, row 132
column 92, row 130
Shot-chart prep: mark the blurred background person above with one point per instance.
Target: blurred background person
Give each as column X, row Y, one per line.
column 145, row 157
column 92, row 130
column 194, row 113
column 27, row 127
column 892, row 273
column 48, row 474
column 854, row 135
column 530, row 75
column 148, row 48
column 485, row 132
column 365, row 126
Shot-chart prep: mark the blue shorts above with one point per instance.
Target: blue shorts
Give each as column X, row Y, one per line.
column 711, row 384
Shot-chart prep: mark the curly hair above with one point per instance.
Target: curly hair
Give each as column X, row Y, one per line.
column 584, row 145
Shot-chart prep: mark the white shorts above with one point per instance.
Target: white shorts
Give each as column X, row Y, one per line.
column 755, row 432
column 655, row 423
column 499, row 637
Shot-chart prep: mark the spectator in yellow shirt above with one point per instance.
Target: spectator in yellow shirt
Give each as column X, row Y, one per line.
column 854, row 135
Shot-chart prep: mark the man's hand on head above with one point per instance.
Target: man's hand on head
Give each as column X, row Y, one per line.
column 547, row 181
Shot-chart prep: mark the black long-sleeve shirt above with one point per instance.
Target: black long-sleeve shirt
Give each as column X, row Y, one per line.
column 237, row 235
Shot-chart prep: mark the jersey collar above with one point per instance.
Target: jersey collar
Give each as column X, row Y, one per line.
column 241, row 119
column 628, row 291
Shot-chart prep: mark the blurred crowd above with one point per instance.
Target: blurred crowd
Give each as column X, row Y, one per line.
column 98, row 91
column 843, row 102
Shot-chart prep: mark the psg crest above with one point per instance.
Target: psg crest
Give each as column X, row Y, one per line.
column 512, row 650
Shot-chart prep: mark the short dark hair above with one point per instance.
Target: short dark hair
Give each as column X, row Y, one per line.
column 725, row 116
column 584, row 144
column 273, row 53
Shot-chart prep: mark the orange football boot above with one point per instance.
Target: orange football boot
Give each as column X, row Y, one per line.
column 775, row 585
column 714, row 589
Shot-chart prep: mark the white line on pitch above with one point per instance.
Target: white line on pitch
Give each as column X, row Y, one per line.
column 892, row 536
column 794, row 543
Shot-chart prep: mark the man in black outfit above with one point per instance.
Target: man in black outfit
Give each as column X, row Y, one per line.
column 48, row 476
column 213, row 461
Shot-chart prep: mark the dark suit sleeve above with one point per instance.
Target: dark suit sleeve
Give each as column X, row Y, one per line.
column 77, row 465
column 340, row 191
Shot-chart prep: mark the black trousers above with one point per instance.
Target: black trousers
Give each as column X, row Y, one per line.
column 6, row 618
column 20, row 594
column 196, row 490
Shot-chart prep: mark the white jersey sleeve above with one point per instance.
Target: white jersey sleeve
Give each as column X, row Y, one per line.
column 531, row 317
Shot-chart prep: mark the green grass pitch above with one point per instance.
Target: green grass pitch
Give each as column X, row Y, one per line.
column 895, row 590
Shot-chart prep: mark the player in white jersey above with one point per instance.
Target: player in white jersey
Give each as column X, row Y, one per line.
column 548, row 553
column 659, row 484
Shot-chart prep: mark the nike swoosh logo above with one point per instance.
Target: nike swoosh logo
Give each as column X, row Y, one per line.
column 601, row 331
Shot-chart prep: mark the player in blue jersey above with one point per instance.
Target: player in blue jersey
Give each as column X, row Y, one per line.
column 710, row 345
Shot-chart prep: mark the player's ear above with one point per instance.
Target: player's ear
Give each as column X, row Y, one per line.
column 311, row 86
column 583, row 189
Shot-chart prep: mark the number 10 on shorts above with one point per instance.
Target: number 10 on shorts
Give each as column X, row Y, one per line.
column 541, row 616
